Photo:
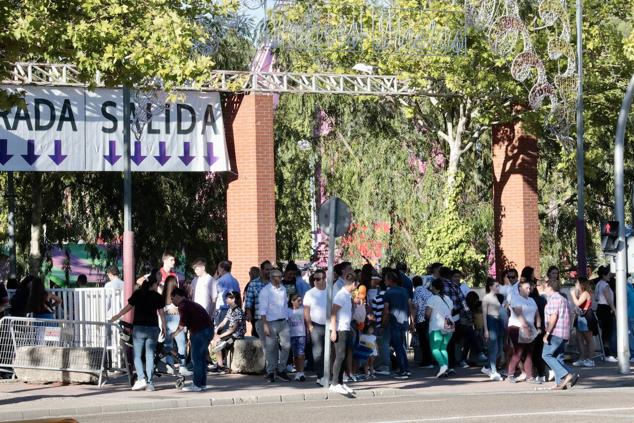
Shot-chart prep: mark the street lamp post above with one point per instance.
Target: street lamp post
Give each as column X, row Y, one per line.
column 582, row 263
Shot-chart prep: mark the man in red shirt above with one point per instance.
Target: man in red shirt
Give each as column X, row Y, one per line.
column 168, row 265
column 195, row 318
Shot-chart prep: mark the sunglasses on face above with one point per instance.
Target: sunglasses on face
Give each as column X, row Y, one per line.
column 319, row 279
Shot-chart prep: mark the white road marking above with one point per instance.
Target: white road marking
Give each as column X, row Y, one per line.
column 498, row 416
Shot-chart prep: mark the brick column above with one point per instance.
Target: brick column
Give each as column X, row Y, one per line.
column 251, row 192
column 515, row 198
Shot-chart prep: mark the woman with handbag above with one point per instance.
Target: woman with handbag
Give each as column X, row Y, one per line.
column 585, row 321
column 523, row 324
column 441, row 326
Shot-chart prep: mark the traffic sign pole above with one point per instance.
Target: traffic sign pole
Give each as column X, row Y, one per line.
column 331, row 275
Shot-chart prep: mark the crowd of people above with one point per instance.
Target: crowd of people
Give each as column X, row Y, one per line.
column 518, row 331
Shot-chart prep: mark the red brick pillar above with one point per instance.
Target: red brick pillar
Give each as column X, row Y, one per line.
column 515, row 198
column 251, row 192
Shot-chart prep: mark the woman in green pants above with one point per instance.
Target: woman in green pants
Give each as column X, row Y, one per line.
column 441, row 327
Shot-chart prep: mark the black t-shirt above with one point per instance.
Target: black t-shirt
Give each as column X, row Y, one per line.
column 145, row 307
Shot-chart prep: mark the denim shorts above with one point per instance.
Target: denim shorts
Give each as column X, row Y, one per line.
column 298, row 344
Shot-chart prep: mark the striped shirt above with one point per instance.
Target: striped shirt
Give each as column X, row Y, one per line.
column 558, row 305
column 378, row 306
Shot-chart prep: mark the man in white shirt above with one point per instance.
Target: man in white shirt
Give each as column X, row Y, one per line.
column 273, row 304
column 203, row 291
column 340, row 332
column 341, row 271
column 315, row 318
column 114, row 283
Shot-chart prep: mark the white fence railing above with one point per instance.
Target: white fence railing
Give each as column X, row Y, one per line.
column 87, row 304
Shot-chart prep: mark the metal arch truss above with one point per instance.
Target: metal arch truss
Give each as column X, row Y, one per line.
column 238, row 81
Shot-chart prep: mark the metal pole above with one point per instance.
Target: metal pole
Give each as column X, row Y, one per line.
column 11, row 224
column 331, row 271
column 582, row 264
column 128, row 234
column 621, row 278
column 313, row 206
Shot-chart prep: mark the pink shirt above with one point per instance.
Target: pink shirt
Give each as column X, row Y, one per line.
column 558, row 305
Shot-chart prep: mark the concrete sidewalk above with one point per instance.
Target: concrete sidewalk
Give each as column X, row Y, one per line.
column 24, row 401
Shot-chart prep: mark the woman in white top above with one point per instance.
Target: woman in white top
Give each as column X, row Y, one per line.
column 523, row 323
column 604, row 298
column 441, row 326
column 493, row 327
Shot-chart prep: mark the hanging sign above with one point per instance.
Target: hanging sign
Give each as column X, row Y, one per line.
column 75, row 130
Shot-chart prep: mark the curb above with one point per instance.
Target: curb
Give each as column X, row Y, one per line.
column 167, row 404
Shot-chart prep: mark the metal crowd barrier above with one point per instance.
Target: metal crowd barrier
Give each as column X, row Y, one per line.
column 61, row 345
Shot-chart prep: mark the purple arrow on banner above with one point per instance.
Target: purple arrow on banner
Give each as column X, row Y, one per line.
column 186, row 158
column 4, row 157
column 112, row 156
column 58, row 157
column 30, row 157
column 162, row 158
column 211, row 159
column 137, row 157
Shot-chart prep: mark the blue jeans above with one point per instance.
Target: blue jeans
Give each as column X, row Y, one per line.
column 383, row 343
column 553, row 355
column 144, row 337
column 199, row 343
column 495, row 344
column 172, row 321
column 397, row 341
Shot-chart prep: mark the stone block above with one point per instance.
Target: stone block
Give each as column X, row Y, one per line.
column 247, row 356
column 35, row 358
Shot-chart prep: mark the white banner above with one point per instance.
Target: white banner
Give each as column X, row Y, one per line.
column 74, row 129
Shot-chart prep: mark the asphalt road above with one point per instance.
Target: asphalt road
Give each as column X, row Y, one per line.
column 578, row 406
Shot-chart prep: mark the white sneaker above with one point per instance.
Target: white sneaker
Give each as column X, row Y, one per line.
column 290, row 369
column 495, row 376
column 338, row 389
column 150, row 387
column 348, row 389
column 521, row 377
column 486, row 371
column 139, row 385
column 588, row 363
column 321, row 381
column 299, row 377
column 442, row 371
column 542, row 379
column 192, row 388
column 551, row 375
column 578, row 363
column 184, row 371
column 346, row 379
column 611, row 359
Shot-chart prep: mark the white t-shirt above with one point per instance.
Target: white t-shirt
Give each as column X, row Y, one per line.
column 529, row 309
column 600, row 297
column 440, row 310
column 316, row 300
column 344, row 315
column 296, row 322
column 203, row 292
